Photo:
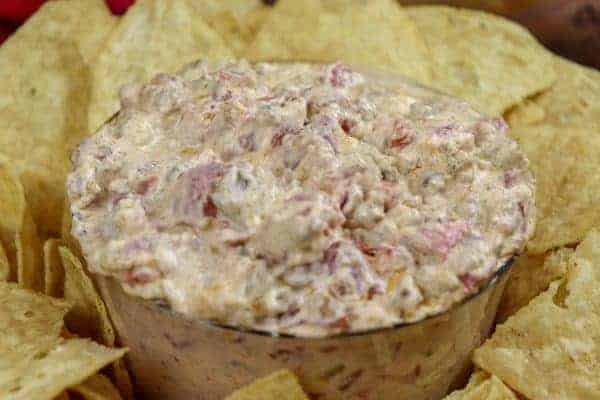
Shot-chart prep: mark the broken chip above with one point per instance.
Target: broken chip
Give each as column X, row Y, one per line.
column 550, row 348
column 373, row 34
column 485, row 59
column 280, row 385
column 152, row 37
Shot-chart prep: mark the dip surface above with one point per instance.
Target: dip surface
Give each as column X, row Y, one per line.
column 298, row 198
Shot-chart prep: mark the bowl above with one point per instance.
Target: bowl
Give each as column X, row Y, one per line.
column 174, row 357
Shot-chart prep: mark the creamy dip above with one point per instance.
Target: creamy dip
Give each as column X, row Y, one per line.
column 298, row 198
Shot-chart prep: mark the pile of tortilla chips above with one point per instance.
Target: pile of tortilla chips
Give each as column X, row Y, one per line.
column 60, row 76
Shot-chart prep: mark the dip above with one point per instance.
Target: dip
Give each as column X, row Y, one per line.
column 299, row 198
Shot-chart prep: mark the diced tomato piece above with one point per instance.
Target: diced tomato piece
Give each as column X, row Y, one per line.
column 18, row 10
column 119, row 6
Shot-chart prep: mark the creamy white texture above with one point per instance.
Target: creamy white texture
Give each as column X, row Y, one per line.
column 298, row 198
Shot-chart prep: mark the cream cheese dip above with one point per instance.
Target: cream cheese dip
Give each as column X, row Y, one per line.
column 299, row 198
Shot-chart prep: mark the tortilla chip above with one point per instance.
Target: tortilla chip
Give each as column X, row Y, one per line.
column 230, row 18
column 482, row 386
column 152, row 37
column 530, row 276
column 97, row 387
column 36, row 362
column 573, row 100
column 280, row 385
column 86, row 22
column 565, row 162
column 485, row 59
column 45, row 374
column 43, row 101
column 44, row 94
column 54, row 274
column 88, row 317
column 550, row 349
column 4, row 265
column 375, row 34
column 28, row 320
column 18, row 233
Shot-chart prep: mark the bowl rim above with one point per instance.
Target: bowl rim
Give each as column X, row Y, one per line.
column 163, row 307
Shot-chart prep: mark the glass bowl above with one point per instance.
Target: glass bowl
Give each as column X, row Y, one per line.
column 174, row 357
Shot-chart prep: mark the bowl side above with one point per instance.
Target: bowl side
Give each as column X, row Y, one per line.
column 178, row 358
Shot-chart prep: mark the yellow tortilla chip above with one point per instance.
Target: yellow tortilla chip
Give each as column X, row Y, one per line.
column 97, row 387
column 550, row 349
column 375, row 34
column 565, row 162
column 86, row 22
column 573, row 100
column 43, row 98
column 153, row 36
column 531, row 275
column 45, row 374
column 44, row 95
column 482, row 386
column 280, row 385
column 18, row 232
column 28, row 320
column 88, row 316
column 485, row 59
column 4, row 265
column 232, row 19
column 54, row 274
column 37, row 363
